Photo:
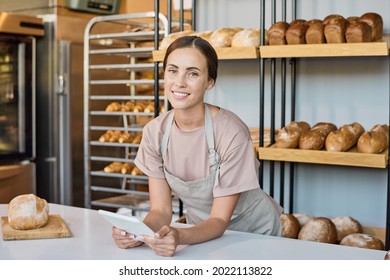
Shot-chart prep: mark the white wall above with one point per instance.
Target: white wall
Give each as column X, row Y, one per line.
column 339, row 90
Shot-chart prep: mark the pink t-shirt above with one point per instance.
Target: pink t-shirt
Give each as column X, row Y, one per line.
column 187, row 153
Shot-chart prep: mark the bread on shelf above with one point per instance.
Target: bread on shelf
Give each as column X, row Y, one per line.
column 358, row 32
column 295, row 34
column 344, row 138
column 315, row 32
column 288, row 136
column 290, row 225
column 319, row 229
column 362, row 240
column 314, row 139
column 374, row 141
column 375, row 21
column 346, row 225
column 334, row 28
column 222, row 37
column 249, row 37
column 277, row 33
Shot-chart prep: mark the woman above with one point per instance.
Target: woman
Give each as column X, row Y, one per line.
column 202, row 153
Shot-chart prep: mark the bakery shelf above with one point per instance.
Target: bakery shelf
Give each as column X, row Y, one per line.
column 379, row 48
column 223, row 53
column 349, row 158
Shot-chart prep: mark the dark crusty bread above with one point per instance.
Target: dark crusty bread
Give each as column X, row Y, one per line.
column 374, row 141
column 362, row 240
column 315, row 32
column 375, row 21
column 295, row 34
column 319, row 229
column 314, row 139
column 290, row 225
column 344, row 138
column 335, row 27
column 288, row 136
column 277, row 33
column 358, row 32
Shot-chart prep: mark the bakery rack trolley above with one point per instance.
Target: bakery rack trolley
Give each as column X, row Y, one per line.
column 118, row 69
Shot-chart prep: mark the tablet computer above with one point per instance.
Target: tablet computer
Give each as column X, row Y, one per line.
column 130, row 224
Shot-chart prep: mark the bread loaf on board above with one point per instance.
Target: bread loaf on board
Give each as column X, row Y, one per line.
column 344, row 138
column 314, row 139
column 222, row 38
column 277, row 33
column 358, row 32
column 346, row 225
column 295, row 34
column 334, row 29
column 249, row 37
column 290, row 225
column 302, row 218
column 375, row 21
column 288, row 136
column 374, row 141
column 28, row 211
column 362, row 240
column 319, row 229
column 315, row 32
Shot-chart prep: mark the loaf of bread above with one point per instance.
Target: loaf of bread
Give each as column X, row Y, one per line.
column 205, row 35
column 288, row 136
column 358, row 32
column 114, row 106
column 302, row 218
column 277, row 33
column 290, row 225
column 334, row 28
column 344, row 138
column 28, row 211
column 346, row 225
column 222, row 38
column 315, row 32
column 249, row 37
column 314, row 139
column 375, row 21
column 319, row 229
column 295, row 34
column 114, row 167
column 374, row 141
column 166, row 41
column 362, row 240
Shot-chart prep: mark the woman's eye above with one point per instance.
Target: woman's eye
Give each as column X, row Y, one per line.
column 172, row 70
column 193, row 74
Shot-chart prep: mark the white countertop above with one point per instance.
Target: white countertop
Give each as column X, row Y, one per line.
column 91, row 240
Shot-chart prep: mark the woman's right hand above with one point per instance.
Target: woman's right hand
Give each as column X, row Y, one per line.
column 124, row 240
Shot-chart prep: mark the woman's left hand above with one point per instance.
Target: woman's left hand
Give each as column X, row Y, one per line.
column 164, row 242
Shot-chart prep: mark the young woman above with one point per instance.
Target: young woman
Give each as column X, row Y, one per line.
column 201, row 153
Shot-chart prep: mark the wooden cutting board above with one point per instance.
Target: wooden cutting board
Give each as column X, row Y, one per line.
column 55, row 228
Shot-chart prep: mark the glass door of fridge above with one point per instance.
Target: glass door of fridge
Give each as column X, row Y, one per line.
column 17, row 89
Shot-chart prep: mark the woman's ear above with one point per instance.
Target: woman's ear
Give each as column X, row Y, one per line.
column 211, row 84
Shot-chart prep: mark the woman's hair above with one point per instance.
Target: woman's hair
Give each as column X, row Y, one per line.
column 203, row 46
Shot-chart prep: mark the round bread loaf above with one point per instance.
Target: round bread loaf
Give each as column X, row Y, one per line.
column 362, row 240
column 302, row 218
column 173, row 36
column 246, row 38
column 290, row 225
column 319, row 229
column 346, row 225
column 27, row 211
column 222, row 38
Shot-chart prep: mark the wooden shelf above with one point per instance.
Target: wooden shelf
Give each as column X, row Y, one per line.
column 349, row 158
column 223, row 53
column 379, row 48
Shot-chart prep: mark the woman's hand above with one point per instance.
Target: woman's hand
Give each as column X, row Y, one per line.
column 124, row 240
column 164, row 242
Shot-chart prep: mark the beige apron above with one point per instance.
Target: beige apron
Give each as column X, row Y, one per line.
column 254, row 211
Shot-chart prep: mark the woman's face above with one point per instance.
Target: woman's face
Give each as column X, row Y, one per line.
column 186, row 78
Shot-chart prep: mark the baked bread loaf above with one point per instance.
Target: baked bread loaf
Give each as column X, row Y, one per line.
column 302, row 218
column 375, row 21
column 290, row 225
column 249, row 37
column 315, row 32
column 277, row 33
column 288, row 136
column 319, row 229
column 374, row 141
column 205, row 35
column 166, row 41
column 358, row 32
column 222, row 38
column 314, row 139
column 344, row 138
column 362, row 240
column 334, row 29
column 295, row 34
column 346, row 225
column 28, row 211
